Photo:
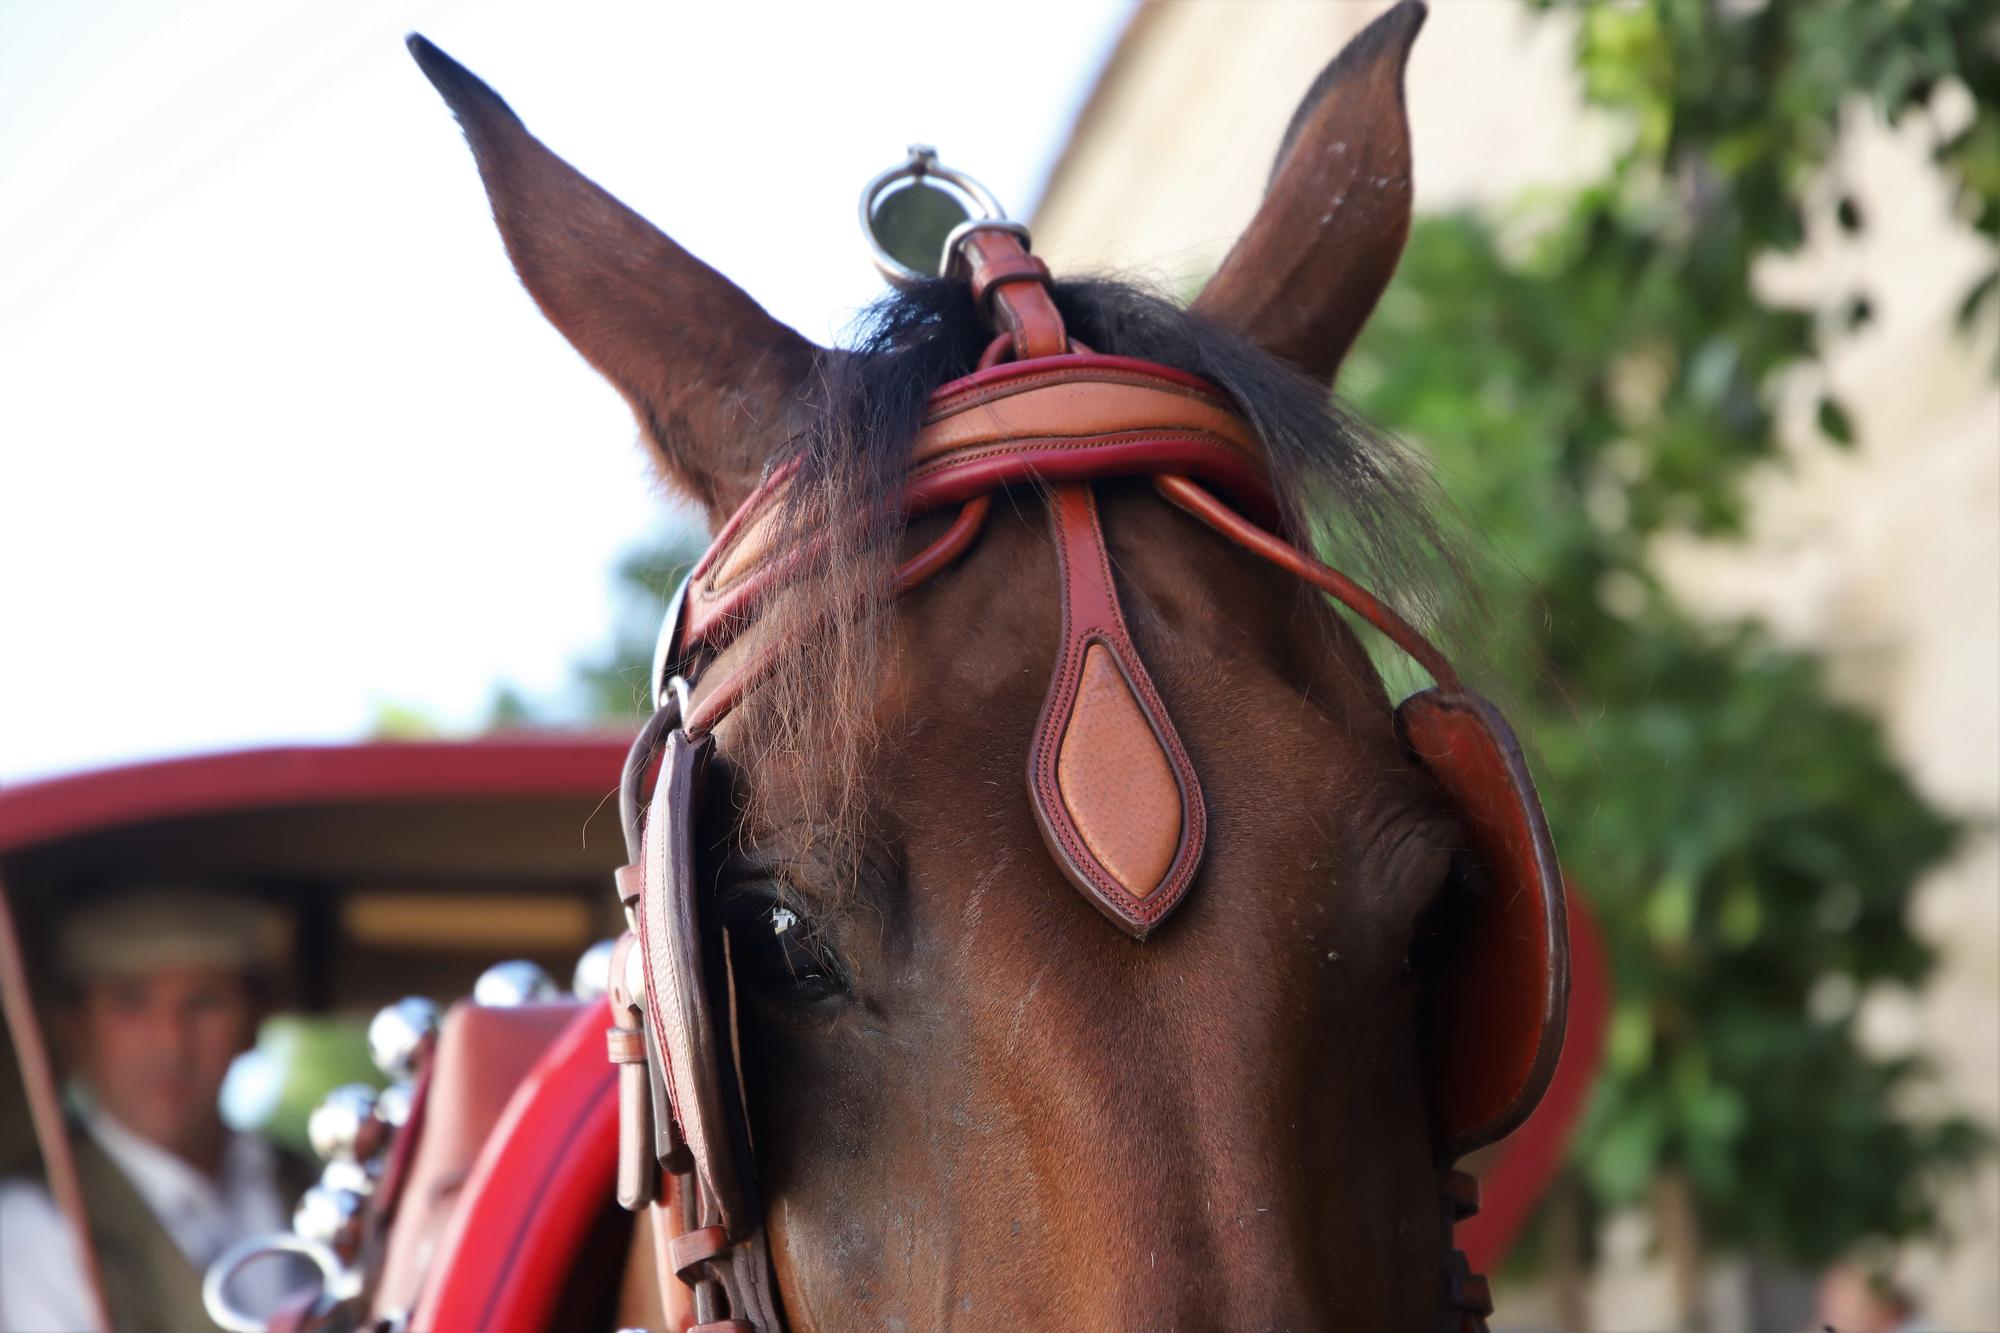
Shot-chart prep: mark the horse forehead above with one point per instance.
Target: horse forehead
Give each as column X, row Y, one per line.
column 1246, row 667
column 1306, row 786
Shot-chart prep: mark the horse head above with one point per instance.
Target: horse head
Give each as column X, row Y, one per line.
column 969, row 1096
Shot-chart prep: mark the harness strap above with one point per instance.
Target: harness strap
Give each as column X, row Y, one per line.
column 1191, row 498
column 1011, row 288
column 45, row 1108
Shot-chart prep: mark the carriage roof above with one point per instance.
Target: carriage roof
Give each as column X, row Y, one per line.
column 411, row 865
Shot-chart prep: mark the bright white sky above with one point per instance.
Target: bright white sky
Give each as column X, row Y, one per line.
column 282, row 438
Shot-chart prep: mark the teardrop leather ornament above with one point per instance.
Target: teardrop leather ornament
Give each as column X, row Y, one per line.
column 1115, row 797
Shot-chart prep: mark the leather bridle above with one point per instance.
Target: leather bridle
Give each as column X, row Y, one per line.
column 1117, row 800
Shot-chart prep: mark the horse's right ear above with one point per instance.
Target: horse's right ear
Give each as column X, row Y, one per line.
column 716, row 382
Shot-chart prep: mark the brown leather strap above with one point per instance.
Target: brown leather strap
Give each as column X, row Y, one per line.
column 1186, row 495
column 1461, row 1195
column 631, row 882
column 1011, row 287
column 1466, row 1290
column 1115, row 797
column 45, row 1105
column 688, row 1251
column 638, row 1172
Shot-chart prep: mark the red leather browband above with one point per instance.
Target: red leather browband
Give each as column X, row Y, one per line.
column 1060, row 419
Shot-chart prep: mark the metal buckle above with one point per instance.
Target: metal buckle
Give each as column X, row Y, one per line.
column 665, row 661
column 948, row 266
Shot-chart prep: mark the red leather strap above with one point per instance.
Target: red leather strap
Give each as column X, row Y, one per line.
column 1185, row 495
column 1115, row 797
column 1011, row 286
column 925, row 564
column 688, row 1251
column 1068, row 418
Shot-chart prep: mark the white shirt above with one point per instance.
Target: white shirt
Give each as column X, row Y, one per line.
column 42, row 1287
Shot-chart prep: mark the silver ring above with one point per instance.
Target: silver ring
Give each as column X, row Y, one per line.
column 921, row 163
column 664, row 660
column 334, row 1278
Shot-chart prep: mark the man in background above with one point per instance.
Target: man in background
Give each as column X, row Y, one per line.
column 160, row 992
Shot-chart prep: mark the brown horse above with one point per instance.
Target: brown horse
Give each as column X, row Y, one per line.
column 972, row 1102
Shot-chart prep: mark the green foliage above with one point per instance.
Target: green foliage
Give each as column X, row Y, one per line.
column 1749, row 842
column 398, row 721
column 609, row 687
column 614, row 683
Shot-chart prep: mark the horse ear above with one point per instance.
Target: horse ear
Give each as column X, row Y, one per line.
column 1304, row 276
column 715, row 381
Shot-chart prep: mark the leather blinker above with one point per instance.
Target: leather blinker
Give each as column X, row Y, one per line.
column 1494, row 1011
column 680, row 1006
column 1114, row 795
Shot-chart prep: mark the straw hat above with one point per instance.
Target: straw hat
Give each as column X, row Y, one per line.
column 147, row 925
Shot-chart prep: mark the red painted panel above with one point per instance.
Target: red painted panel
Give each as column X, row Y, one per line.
column 541, row 1181
column 1528, row 1159
column 304, row 775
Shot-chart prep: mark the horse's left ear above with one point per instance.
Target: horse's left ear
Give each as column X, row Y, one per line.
column 715, row 381
column 1306, row 273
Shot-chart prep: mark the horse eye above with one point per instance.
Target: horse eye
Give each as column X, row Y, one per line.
column 778, row 952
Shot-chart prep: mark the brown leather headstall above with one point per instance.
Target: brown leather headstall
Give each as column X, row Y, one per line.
column 1117, row 800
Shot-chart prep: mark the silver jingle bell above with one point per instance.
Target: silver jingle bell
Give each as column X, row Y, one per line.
column 392, row 1105
column 352, row 1177
column 343, row 1128
column 592, row 977
column 331, row 1217
column 507, row 985
column 400, row 1034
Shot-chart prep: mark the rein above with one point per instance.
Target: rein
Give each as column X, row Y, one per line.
column 1118, row 801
